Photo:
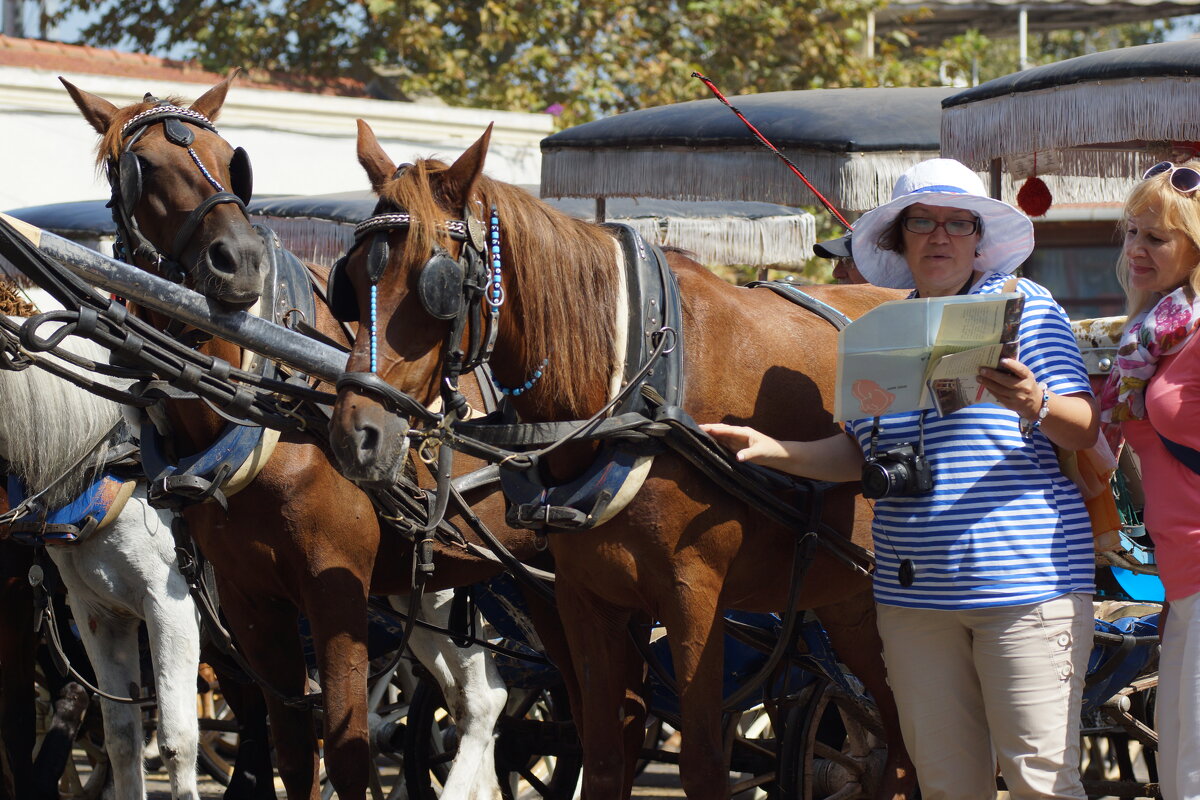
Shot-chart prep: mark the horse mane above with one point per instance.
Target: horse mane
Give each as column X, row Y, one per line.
column 564, row 270
column 112, row 143
column 48, row 424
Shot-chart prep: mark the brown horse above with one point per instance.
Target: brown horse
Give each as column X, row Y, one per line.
column 682, row 550
column 299, row 537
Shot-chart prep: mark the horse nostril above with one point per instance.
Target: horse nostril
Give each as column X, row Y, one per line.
column 221, row 258
column 368, row 439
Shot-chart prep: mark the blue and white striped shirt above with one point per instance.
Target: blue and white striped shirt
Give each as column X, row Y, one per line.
column 1002, row 525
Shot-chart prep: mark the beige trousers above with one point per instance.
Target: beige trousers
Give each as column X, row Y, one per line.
column 981, row 686
column 1178, row 707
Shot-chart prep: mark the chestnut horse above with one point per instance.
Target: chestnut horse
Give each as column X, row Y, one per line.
column 300, row 537
column 682, row 550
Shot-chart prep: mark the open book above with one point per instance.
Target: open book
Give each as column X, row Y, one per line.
column 925, row 353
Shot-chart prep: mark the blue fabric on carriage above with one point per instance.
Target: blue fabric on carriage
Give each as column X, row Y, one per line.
column 1133, row 662
column 970, row 550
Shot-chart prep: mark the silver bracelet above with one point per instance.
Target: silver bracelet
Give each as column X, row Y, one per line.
column 1029, row 426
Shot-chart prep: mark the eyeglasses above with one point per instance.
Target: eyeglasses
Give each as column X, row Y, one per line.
column 953, row 227
column 1184, row 180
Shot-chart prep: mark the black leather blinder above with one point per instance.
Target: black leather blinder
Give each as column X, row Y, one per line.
column 241, row 176
column 440, row 286
column 129, row 177
column 339, row 294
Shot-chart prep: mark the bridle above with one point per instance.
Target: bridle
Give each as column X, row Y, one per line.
column 125, row 180
column 466, row 291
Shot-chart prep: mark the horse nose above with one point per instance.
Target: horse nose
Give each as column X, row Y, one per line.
column 231, row 257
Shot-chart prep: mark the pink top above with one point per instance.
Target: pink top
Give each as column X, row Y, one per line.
column 1172, row 490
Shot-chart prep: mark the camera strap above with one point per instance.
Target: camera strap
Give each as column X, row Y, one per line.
column 875, row 436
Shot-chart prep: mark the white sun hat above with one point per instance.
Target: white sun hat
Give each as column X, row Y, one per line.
column 1007, row 233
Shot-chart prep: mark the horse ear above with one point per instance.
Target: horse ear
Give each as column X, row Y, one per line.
column 379, row 167
column 209, row 104
column 96, row 110
column 465, row 172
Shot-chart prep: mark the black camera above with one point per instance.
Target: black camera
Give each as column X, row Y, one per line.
column 901, row 470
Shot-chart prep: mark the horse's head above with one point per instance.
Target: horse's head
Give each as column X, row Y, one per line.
column 452, row 270
column 179, row 192
column 407, row 281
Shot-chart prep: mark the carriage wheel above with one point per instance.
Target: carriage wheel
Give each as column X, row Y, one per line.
column 387, row 708
column 1121, row 745
column 537, row 750
column 751, row 739
column 833, row 746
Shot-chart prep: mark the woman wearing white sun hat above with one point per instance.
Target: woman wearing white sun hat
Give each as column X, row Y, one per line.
column 983, row 583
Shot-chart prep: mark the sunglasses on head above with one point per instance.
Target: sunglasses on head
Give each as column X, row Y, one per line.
column 953, row 227
column 1184, row 180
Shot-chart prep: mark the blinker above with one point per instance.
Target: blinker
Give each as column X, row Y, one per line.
column 241, row 176
column 440, row 286
column 377, row 257
column 129, row 177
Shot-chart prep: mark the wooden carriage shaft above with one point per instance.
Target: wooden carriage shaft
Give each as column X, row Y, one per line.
column 245, row 330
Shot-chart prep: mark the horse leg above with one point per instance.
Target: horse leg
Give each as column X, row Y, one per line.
column 175, row 651
column 340, row 634
column 474, row 692
column 695, row 635
column 267, row 634
column 18, row 642
column 112, row 646
column 851, row 628
column 253, row 776
column 604, row 658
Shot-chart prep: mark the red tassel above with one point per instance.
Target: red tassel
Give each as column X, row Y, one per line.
column 1034, row 197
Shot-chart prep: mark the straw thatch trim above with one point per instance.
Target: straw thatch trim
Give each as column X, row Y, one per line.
column 1142, row 110
column 851, row 181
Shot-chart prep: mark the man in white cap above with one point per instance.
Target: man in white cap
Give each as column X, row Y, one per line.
column 844, row 270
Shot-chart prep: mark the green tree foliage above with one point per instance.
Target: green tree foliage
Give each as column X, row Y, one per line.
column 592, row 57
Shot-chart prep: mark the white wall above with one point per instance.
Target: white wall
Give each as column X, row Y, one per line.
column 298, row 143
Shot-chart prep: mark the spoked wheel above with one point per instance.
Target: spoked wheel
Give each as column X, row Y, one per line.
column 218, row 730
column 751, row 738
column 1121, row 745
column 537, row 750
column 833, row 748
column 387, row 707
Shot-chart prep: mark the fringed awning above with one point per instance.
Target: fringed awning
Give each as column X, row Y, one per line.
column 851, row 181
column 1107, row 115
column 851, row 143
column 757, row 235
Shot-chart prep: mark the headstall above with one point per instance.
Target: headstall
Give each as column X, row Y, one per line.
column 467, row 291
column 125, row 180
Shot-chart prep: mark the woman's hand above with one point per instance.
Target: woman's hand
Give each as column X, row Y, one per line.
column 1014, row 387
column 1072, row 421
column 837, row 458
column 747, row 444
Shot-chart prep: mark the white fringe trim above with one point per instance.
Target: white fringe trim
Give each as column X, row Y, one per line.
column 784, row 242
column 851, row 181
column 316, row 241
column 1151, row 112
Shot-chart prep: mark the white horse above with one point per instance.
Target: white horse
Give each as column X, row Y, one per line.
column 120, row 575
column 127, row 573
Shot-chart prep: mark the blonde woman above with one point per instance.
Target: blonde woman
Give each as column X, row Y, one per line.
column 1154, row 396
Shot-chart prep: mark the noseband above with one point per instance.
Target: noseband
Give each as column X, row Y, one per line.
column 465, row 291
column 125, row 180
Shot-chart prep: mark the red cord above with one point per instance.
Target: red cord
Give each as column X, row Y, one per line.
column 775, row 150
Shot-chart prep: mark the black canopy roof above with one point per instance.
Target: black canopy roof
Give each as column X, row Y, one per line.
column 1107, row 114
column 852, row 143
